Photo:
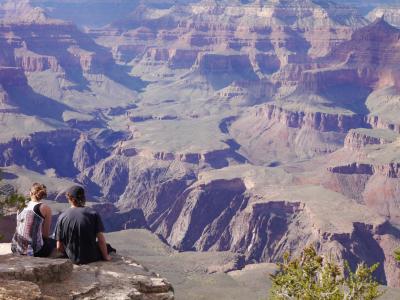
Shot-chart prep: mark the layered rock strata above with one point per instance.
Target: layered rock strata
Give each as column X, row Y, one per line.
column 359, row 139
column 252, row 41
column 315, row 120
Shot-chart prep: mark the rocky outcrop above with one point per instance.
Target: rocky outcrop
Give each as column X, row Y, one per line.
column 150, row 185
column 358, row 139
column 219, row 216
column 183, row 58
column 126, row 53
column 325, row 122
column 355, row 53
column 122, row 278
column 86, row 153
column 44, row 61
column 354, row 168
column 173, row 58
column 388, row 170
column 316, row 120
column 359, row 143
column 196, row 209
column 380, row 123
column 67, row 52
column 68, row 47
column 320, row 80
column 36, row 63
column 353, row 62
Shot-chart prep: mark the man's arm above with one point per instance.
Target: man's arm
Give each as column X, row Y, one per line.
column 57, row 236
column 103, row 246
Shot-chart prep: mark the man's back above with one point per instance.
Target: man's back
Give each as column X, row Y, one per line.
column 77, row 229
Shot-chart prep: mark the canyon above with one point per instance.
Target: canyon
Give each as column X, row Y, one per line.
column 240, row 129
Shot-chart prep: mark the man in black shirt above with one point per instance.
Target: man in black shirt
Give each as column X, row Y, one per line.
column 77, row 230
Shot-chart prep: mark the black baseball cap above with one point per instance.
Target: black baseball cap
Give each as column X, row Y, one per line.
column 77, row 192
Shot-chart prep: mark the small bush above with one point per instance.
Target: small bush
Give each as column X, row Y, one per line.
column 10, row 201
column 310, row 277
column 397, row 255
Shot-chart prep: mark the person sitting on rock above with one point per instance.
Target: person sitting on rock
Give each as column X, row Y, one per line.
column 79, row 231
column 33, row 226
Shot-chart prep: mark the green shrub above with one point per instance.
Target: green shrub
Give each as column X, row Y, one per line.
column 397, row 255
column 10, row 200
column 310, row 277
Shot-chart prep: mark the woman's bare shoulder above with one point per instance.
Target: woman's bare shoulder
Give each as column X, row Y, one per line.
column 44, row 208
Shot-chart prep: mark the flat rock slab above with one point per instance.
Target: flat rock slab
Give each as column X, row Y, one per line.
column 35, row 269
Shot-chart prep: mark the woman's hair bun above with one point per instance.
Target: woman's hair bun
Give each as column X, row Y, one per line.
column 39, row 191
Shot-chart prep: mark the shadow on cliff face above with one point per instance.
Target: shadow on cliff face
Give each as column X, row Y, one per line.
column 212, row 207
column 218, row 216
column 114, row 220
column 120, row 74
column 33, row 104
column 207, row 218
column 270, row 223
column 226, row 123
column 41, row 151
column 350, row 96
column 235, row 146
column 76, row 53
column 361, row 246
column 8, row 176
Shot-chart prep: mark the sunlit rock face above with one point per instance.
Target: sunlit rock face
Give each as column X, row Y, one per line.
column 390, row 13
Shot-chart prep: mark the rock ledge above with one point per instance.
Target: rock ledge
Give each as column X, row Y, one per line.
column 24, row 277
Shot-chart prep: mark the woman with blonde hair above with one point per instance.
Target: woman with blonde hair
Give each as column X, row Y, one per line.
column 33, row 226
